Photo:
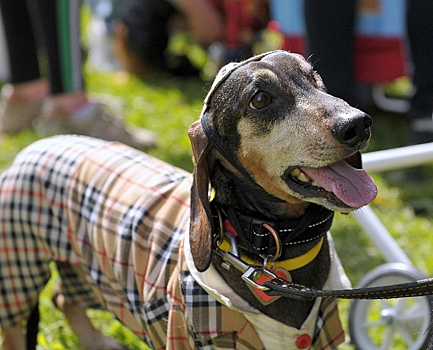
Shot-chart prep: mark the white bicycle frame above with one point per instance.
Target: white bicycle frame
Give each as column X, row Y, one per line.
column 397, row 158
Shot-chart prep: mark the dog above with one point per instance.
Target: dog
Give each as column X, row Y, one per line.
column 274, row 156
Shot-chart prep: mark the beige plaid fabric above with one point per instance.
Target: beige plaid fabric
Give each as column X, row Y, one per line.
column 116, row 218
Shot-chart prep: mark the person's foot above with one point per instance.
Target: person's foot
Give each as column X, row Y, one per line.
column 421, row 128
column 420, row 115
column 20, row 104
column 92, row 120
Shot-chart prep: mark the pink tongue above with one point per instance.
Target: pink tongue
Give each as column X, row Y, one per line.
column 352, row 186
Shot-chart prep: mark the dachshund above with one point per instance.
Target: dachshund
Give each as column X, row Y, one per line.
column 274, row 157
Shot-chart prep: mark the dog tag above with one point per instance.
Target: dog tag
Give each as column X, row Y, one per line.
column 260, row 294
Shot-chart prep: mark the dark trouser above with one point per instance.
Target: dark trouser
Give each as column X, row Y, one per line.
column 31, row 25
column 330, row 31
column 420, row 32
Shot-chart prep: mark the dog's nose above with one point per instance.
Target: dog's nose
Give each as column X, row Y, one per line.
column 352, row 130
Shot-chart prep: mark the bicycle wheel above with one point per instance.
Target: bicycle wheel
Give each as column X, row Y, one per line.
column 391, row 323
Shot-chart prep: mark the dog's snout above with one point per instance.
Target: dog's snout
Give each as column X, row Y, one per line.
column 353, row 130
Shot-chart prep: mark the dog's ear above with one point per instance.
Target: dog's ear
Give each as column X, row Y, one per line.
column 200, row 226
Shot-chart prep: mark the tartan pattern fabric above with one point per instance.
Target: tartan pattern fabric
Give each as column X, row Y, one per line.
column 114, row 219
column 33, row 226
column 328, row 333
column 215, row 326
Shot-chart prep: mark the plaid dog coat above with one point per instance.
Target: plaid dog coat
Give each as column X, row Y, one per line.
column 114, row 220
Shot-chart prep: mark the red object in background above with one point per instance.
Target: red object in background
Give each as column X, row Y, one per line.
column 377, row 59
column 242, row 19
column 380, row 47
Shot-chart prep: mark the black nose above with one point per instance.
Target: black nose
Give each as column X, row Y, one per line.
column 353, row 130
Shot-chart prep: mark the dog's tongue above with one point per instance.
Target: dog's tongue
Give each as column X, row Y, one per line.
column 352, row 186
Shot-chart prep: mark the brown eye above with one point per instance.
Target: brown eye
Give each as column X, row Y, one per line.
column 260, row 100
column 312, row 79
column 316, row 80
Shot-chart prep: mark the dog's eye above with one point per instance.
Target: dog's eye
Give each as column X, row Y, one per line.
column 312, row 78
column 316, row 80
column 260, row 100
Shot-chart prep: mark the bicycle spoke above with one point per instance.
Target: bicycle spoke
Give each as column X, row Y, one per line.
column 388, row 337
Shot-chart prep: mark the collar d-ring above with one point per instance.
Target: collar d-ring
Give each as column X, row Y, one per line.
column 278, row 246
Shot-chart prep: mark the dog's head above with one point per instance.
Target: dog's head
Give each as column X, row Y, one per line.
column 269, row 118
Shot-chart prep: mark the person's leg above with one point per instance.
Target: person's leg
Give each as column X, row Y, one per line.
column 20, row 99
column 48, row 21
column 330, row 32
column 57, row 23
column 67, row 109
column 22, row 50
column 419, row 19
column 20, row 40
column 420, row 29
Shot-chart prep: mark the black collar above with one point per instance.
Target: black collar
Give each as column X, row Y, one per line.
column 253, row 233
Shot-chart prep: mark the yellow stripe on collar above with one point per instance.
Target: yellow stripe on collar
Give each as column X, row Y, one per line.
column 289, row 264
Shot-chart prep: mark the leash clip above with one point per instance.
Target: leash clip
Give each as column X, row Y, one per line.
column 250, row 273
column 254, row 273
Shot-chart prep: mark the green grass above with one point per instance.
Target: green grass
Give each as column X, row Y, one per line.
column 168, row 106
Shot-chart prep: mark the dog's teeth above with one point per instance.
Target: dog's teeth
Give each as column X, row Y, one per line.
column 295, row 172
column 302, row 177
column 299, row 175
column 315, row 183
